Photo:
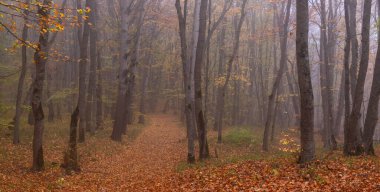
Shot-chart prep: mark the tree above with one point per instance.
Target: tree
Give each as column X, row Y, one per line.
column 16, row 132
column 332, row 50
column 40, row 59
column 347, row 66
column 352, row 139
column 222, row 92
column 211, row 29
column 304, row 79
column 99, row 94
column 283, row 63
column 26, row 11
column 83, row 36
column 93, row 64
column 352, row 4
column 193, row 55
column 326, row 81
column 121, row 103
column 199, row 116
column 45, row 21
column 70, row 156
column 138, row 21
column 373, row 103
column 146, row 75
column 189, row 110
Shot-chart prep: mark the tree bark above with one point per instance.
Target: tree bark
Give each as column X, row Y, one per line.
column 219, row 107
column 71, row 156
column 99, row 93
column 16, row 131
column 83, row 60
column 143, row 94
column 352, row 4
column 182, row 19
column 331, row 48
column 121, row 103
column 40, row 59
column 352, row 141
column 90, row 103
column 373, row 103
column 293, row 93
column 340, row 107
column 134, row 60
column 192, row 58
column 211, row 30
column 347, row 67
column 304, row 78
column 199, row 58
column 283, row 63
column 326, row 81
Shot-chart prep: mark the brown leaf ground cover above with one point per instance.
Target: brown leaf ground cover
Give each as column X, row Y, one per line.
column 106, row 166
column 151, row 158
column 332, row 174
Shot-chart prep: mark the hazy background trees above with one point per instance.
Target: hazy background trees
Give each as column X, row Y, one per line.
column 213, row 63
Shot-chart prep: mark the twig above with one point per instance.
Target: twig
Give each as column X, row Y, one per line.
column 15, row 36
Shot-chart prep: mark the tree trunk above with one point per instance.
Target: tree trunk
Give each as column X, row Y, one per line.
column 347, row 67
column 143, row 94
column 222, row 90
column 71, row 156
column 99, row 94
column 331, row 48
column 293, row 93
column 373, row 103
column 253, row 82
column 219, row 107
column 83, row 60
column 211, row 30
column 134, row 61
column 30, row 114
column 199, row 58
column 50, row 105
column 263, row 88
column 192, row 58
column 275, row 114
column 339, row 110
column 182, row 18
column 352, row 141
column 90, row 103
column 305, row 86
column 352, row 4
column 40, row 59
column 121, row 103
column 236, row 103
column 16, row 131
column 145, row 80
column 326, row 82
column 207, row 67
column 283, row 63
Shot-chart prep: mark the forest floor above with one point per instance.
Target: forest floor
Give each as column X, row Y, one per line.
column 153, row 158
column 148, row 154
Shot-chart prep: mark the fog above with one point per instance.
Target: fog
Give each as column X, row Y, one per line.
column 142, row 95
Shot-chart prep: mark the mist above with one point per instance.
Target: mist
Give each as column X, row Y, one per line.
column 189, row 95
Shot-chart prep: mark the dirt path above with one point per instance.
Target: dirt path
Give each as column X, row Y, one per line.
column 143, row 164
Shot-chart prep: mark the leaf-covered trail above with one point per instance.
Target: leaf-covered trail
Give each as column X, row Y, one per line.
column 152, row 156
column 149, row 163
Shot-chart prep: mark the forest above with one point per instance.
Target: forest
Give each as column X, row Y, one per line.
column 189, row 95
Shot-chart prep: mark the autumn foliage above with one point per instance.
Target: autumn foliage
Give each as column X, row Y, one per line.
column 152, row 159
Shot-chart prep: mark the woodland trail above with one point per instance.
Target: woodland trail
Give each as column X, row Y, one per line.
column 151, row 157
